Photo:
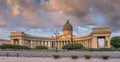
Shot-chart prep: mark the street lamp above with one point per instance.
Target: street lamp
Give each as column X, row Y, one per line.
column 56, row 44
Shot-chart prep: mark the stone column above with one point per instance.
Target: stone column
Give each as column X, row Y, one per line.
column 12, row 41
column 55, row 44
column 41, row 43
column 31, row 44
column 94, row 42
column 21, row 42
column 66, row 42
column 82, row 42
column 88, row 43
column 61, row 44
column 34, row 44
column 48, row 44
column 45, row 43
column 51, row 44
column 70, row 41
column 58, row 44
column 78, row 41
column 38, row 43
column 85, row 43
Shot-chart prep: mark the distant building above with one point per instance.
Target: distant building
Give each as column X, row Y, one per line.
column 4, row 41
column 88, row 41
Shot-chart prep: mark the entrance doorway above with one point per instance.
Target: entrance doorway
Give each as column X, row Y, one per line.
column 16, row 41
column 101, row 42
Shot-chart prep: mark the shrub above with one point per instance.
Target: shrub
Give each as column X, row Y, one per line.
column 56, row 56
column 87, row 56
column 25, row 47
column 74, row 56
column 73, row 46
column 9, row 46
column 105, row 56
column 102, row 49
column 41, row 47
column 6, row 46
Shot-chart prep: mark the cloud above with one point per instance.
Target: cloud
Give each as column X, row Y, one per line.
column 110, row 10
column 29, row 15
column 76, row 10
column 74, row 7
column 59, row 11
column 25, row 8
column 80, row 11
column 2, row 22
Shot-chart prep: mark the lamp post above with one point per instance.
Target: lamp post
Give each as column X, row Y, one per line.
column 56, row 43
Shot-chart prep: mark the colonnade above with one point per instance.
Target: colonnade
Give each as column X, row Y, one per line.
column 56, row 43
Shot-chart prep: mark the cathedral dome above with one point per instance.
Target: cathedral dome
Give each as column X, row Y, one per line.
column 67, row 25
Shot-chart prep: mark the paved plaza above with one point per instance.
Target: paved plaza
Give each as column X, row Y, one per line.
column 63, row 54
column 38, row 56
column 37, row 59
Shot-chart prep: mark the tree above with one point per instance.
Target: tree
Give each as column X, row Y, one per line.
column 73, row 46
column 115, row 41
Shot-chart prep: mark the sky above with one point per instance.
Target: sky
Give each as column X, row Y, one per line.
column 44, row 17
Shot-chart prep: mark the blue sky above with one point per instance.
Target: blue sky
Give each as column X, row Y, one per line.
column 99, row 17
column 38, row 1
column 44, row 17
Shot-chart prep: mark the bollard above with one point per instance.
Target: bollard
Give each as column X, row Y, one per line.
column 7, row 54
column 17, row 55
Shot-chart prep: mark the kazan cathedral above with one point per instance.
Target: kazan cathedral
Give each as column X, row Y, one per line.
column 90, row 40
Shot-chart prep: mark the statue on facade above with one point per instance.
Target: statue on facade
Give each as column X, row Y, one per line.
column 106, row 43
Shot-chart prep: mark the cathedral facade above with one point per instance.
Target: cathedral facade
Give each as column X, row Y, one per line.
column 89, row 41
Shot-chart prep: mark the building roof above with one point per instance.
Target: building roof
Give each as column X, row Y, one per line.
column 4, row 40
column 67, row 24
